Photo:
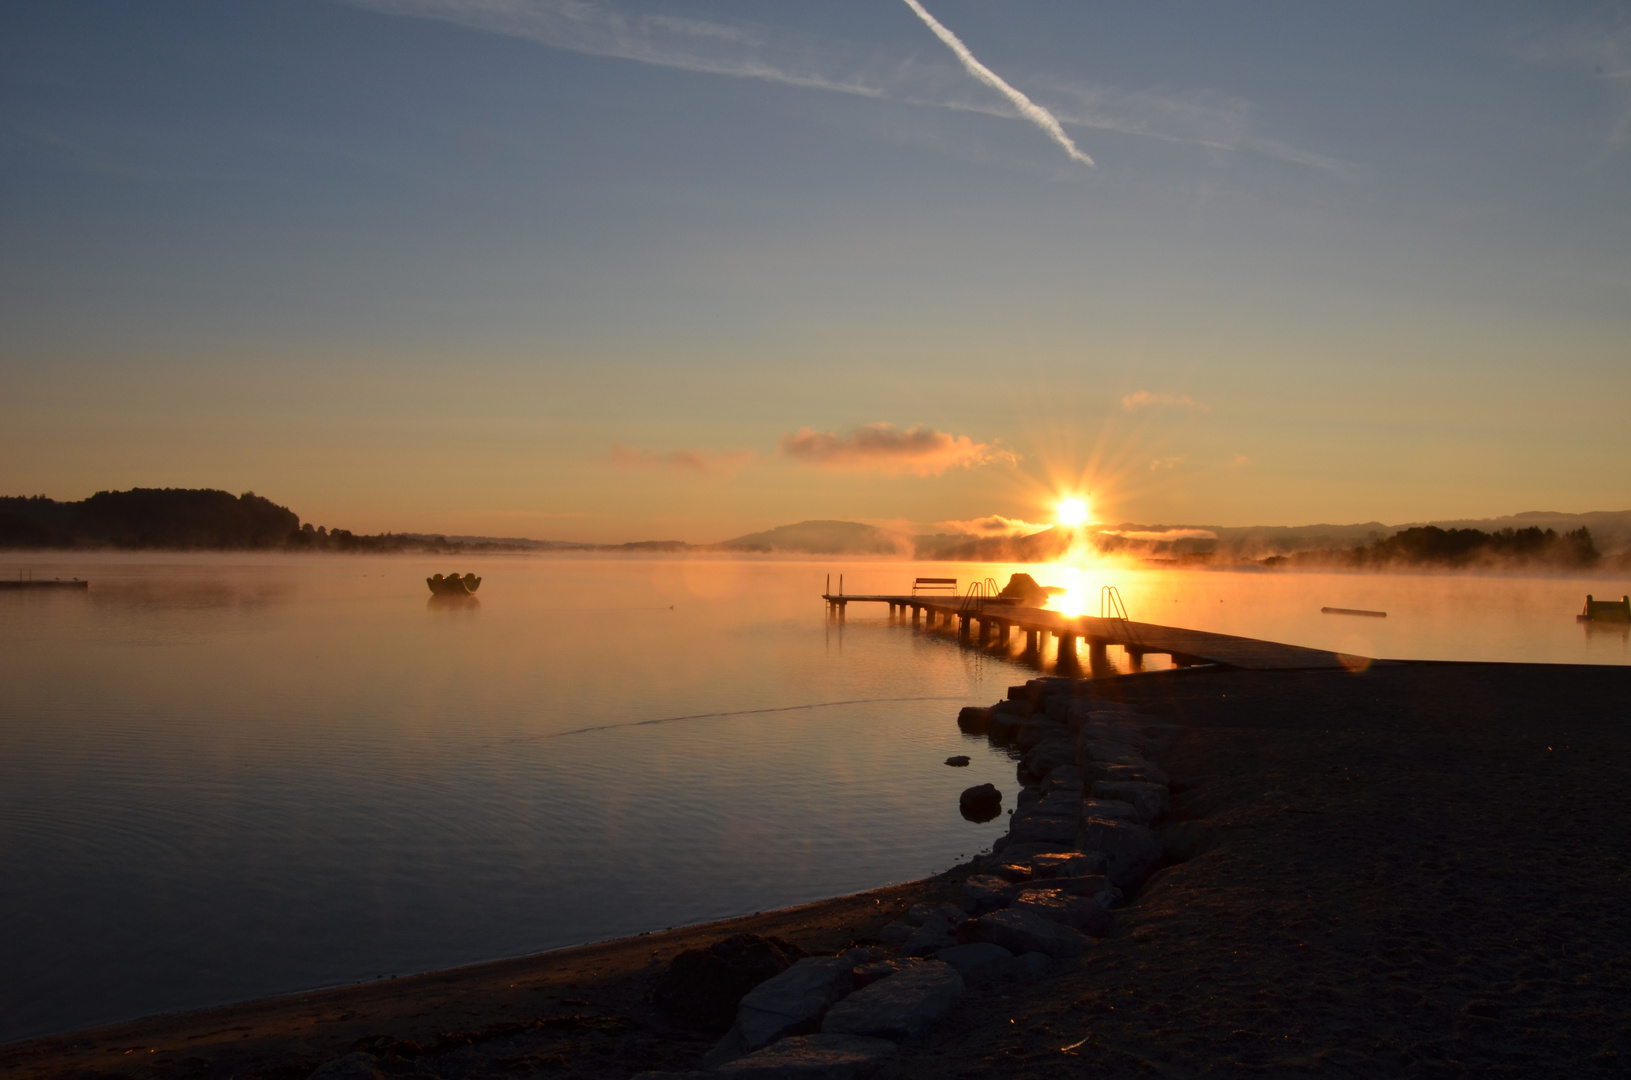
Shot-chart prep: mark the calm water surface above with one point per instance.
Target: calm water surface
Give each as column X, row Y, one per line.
column 223, row 777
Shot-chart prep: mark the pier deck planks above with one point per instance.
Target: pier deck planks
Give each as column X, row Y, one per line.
column 1200, row 645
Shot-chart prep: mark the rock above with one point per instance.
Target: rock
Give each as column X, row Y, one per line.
column 1111, row 753
column 704, row 986
column 1187, row 839
column 979, row 963
column 980, row 803
column 1150, row 800
column 1093, row 886
column 900, row 1007
column 1112, row 808
column 1043, row 829
column 896, row 933
column 355, row 1066
column 1060, row 864
column 793, row 1002
column 922, row 914
column 1044, row 757
column 1094, row 771
column 688, row 1074
column 1025, row 931
column 1024, row 590
column 974, row 720
column 1038, row 730
column 812, row 1057
column 1076, row 912
column 1011, row 871
column 986, row 892
column 1004, row 727
column 1131, row 850
column 1058, row 804
column 865, row 975
column 958, row 761
column 865, row 954
column 1064, row 777
column 929, row 938
column 1032, row 966
column 1029, row 795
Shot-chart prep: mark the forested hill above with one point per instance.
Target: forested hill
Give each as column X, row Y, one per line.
column 148, row 518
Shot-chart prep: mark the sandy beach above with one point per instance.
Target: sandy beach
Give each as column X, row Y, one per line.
column 1419, row 869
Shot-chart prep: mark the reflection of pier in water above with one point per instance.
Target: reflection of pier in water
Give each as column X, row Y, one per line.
column 987, row 624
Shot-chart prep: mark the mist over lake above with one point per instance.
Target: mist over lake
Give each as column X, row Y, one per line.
column 227, row 776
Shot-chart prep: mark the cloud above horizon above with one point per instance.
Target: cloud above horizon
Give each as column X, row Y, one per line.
column 702, row 462
column 885, row 448
column 993, row 525
column 1145, row 399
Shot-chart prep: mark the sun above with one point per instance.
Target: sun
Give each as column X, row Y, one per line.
column 1072, row 512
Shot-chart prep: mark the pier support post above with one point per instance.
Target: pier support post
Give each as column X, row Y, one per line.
column 985, row 632
column 1098, row 656
column 1002, row 633
column 1067, row 653
column 962, row 628
column 1135, row 658
column 917, row 616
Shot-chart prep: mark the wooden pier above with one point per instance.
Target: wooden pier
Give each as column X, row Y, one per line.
column 980, row 622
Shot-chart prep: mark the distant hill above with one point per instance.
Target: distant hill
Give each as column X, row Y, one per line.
column 820, row 538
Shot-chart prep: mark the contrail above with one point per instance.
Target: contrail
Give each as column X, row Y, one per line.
column 1029, row 109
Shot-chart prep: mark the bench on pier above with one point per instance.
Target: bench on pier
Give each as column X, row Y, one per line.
column 935, row 585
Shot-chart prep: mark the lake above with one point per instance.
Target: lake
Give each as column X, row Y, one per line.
column 227, row 776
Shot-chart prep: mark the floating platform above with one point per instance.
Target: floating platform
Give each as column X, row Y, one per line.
column 1606, row 610
column 44, row 583
column 1353, row 611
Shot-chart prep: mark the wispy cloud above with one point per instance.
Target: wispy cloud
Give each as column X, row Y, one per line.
column 992, row 525
column 1023, row 105
column 823, row 62
column 886, row 448
column 1160, row 534
column 704, row 462
column 1146, row 399
column 1597, row 46
column 1166, row 464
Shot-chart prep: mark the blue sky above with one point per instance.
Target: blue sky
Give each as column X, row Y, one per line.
column 594, row 270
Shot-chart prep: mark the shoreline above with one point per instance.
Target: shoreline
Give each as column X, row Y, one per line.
column 1420, row 867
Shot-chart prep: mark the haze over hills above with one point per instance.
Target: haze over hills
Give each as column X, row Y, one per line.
column 174, row 518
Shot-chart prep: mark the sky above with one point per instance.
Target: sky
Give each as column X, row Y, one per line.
column 606, row 271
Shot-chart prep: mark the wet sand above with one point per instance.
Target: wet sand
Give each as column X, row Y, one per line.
column 1413, row 870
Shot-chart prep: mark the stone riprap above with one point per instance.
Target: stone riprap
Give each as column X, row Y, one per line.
column 1081, row 836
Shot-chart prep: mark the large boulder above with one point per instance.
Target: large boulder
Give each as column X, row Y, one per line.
column 1150, row 800
column 1131, row 851
column 979, row 963
column 792, row 1003
column 900, row 1007
column 983, row 802
column 354, row 1066
column 1077, row 912
column 1023, row 589
column 812, row 1057
column 1045, row 756
column 1114, row 809
column 986, row 892
column 1043, row 829
column 1095, row 771
column 1058, row 864
column 1026, row 932
column 704, row 986
column 974, row 720
column 1095, row 887
column 1038, row 730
